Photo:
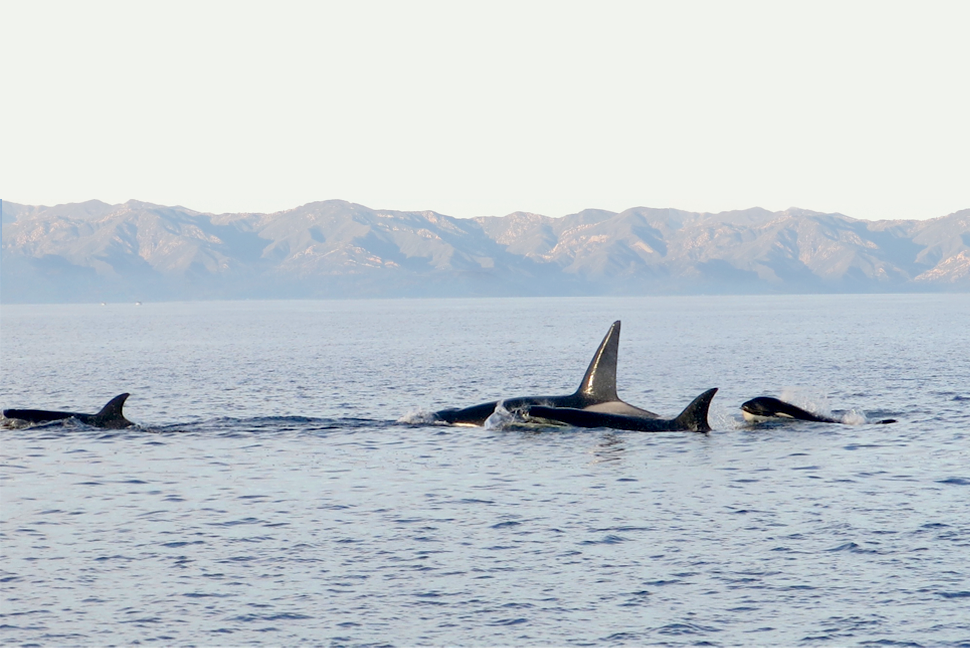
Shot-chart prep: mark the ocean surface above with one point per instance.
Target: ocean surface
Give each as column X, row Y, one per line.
column 283, row 487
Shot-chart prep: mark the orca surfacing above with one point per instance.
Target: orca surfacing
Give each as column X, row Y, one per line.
column 692, row 419
column 110, row 416
column 766, row 408
column 596, row 395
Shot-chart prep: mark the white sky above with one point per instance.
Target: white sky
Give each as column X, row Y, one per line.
column 484, row 108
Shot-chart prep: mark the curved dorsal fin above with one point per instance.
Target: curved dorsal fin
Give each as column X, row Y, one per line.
column 599, row 383
column 111, row 414
column 694, row 416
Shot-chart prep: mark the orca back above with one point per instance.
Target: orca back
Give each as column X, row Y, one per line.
column 692, row 419
column 37, row 416
column 111, row 415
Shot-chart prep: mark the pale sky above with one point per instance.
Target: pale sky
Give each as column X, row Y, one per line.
column 485, row 108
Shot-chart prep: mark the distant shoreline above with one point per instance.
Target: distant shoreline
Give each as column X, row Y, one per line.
column 93, row 252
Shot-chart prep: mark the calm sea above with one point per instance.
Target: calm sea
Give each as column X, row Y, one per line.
column 279, row 488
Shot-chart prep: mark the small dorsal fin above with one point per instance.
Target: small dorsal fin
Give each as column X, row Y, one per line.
column 694, row 416
column 599, row 383
column 111, row 415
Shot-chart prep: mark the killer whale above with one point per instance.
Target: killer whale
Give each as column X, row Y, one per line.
column 596, row 390
column 765, row 408
column 110, row 416
column 596, row 393
column 692, row 419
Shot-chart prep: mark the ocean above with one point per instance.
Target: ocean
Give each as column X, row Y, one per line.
column 283, row 486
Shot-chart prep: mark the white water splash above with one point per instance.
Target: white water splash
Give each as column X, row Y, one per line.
column 500, row 419
column 811, row 399
column 418, row 417
column 854, row 417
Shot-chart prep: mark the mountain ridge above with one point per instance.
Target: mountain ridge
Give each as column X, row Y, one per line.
column 93, row 251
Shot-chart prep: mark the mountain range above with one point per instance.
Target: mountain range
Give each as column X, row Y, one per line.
column 94, row 251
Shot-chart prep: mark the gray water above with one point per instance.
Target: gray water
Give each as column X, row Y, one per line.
column 280, row 487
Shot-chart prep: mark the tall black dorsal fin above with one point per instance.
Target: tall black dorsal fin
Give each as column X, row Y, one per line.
column 599, row 383
column 694, row 416
column 111, row 415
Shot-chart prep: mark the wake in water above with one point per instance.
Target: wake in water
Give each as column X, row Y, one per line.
column 222, row 426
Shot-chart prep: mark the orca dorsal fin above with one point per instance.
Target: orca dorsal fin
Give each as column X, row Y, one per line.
column 111, row 415
column 599, row 383
column 694, row 416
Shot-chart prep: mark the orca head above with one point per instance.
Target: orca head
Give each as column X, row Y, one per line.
column 762, row 408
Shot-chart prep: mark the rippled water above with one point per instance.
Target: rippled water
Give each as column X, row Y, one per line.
column 271, row 495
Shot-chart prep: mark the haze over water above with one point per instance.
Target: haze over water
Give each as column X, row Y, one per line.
column 272, row 493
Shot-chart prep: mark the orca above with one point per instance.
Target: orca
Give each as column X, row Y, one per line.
column 692, row 419
column 596, row 392
column 766, row 408
column 597, row 389
column 110, row 416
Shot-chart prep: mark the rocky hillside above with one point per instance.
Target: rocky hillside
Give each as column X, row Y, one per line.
column 139, row 251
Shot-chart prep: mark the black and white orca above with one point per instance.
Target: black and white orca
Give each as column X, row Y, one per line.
column 766, row 408
column 692, row 419
column 110, row 416
column 596, row 395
